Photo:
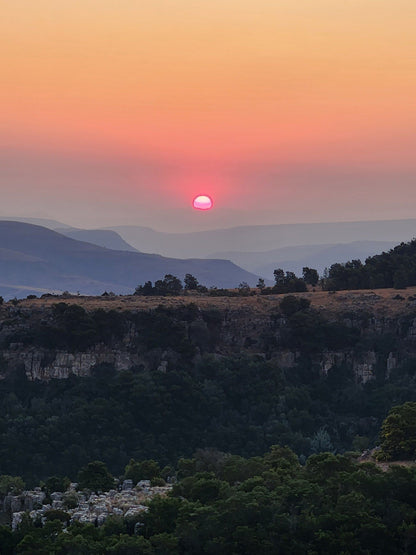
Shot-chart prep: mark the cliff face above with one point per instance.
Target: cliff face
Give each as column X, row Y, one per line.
column 366, row 343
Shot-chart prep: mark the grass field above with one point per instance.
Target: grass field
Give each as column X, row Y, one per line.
column 381, row 302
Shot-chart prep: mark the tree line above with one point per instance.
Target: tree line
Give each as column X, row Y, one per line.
column 395, row 268
column 285, row 282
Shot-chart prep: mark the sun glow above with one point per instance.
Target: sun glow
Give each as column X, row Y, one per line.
column 202, row 202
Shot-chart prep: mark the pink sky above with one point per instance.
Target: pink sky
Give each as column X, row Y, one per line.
column 120, row 113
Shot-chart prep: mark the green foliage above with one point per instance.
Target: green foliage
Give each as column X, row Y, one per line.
column 291, row 304
column 56, row 483
column 11, row 484
column 7, row 541
column 321, row 441
column 142, row 470
column 57, row 514
column 261, row 284
column 95, row 477
column 74, row 328
column 310, row 276
column 288, row 282
column 395, row 268
column 398, row 433
column 191, row 283
column 244, row 289
column 157, row 482
column 238, row 404
column 70, row 500
column 330, row 505
column 170, row 285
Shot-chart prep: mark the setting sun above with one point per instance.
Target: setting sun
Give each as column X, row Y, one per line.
column 202, row 202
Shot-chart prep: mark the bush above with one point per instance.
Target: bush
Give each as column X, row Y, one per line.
column 157, row 482
column 398, row 433
column 96, row 477
column 291, row 304
column 11, row 484
column 70, row 501
column 56, row 514
column 56, row 483
column 143, row 470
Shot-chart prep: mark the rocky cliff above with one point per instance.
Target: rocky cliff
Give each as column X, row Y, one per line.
column 56, row 339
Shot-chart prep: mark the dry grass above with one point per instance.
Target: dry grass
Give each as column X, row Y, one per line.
column 380, row 302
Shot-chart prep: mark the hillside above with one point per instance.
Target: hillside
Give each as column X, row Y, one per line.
column 101, row 237
column 60, row 263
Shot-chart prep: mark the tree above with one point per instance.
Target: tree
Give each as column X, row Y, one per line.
column 170, row 285
column 145, row 290
column 142, row 470
column 400, row 279
column 11, row 484
column 96, row 477
column 260, row 284
column 398, row 433
column 191, row 283
column 279, row 276
column 321, row 442
column 310, row 276
column 244, row 289
column 56, row 483
column 288, row 283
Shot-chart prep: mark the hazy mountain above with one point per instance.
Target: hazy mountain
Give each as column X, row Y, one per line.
column 101, row 237
column 44, row 222
column 264, row 238
column 35, row 257
column 295, row 258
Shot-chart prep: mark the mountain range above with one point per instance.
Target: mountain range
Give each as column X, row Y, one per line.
column 119, row 257
column 34, row 259
column 264, row 238
column 294, row 259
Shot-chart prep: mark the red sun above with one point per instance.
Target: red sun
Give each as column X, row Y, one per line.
column 202, row 202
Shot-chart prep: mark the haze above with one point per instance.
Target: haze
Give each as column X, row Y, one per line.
column 120, row 113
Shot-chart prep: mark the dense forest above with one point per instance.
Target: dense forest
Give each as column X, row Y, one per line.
column 233, row 505
column 241, row 404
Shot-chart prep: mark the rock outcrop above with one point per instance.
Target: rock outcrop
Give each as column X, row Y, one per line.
column 88, row 507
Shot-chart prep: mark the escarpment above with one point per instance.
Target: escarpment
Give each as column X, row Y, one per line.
column 60, row 339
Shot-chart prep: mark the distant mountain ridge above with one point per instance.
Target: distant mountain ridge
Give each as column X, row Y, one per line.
column 102, row 237
column 44, row 222
column 33, row 257
column 294, row 259
column 257, row 249
column 264, row 238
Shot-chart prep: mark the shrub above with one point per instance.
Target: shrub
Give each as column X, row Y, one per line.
column 96, row 477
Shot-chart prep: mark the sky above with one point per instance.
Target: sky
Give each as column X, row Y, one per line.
column 120, row 112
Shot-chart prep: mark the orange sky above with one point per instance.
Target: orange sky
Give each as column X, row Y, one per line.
column 245, row 98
